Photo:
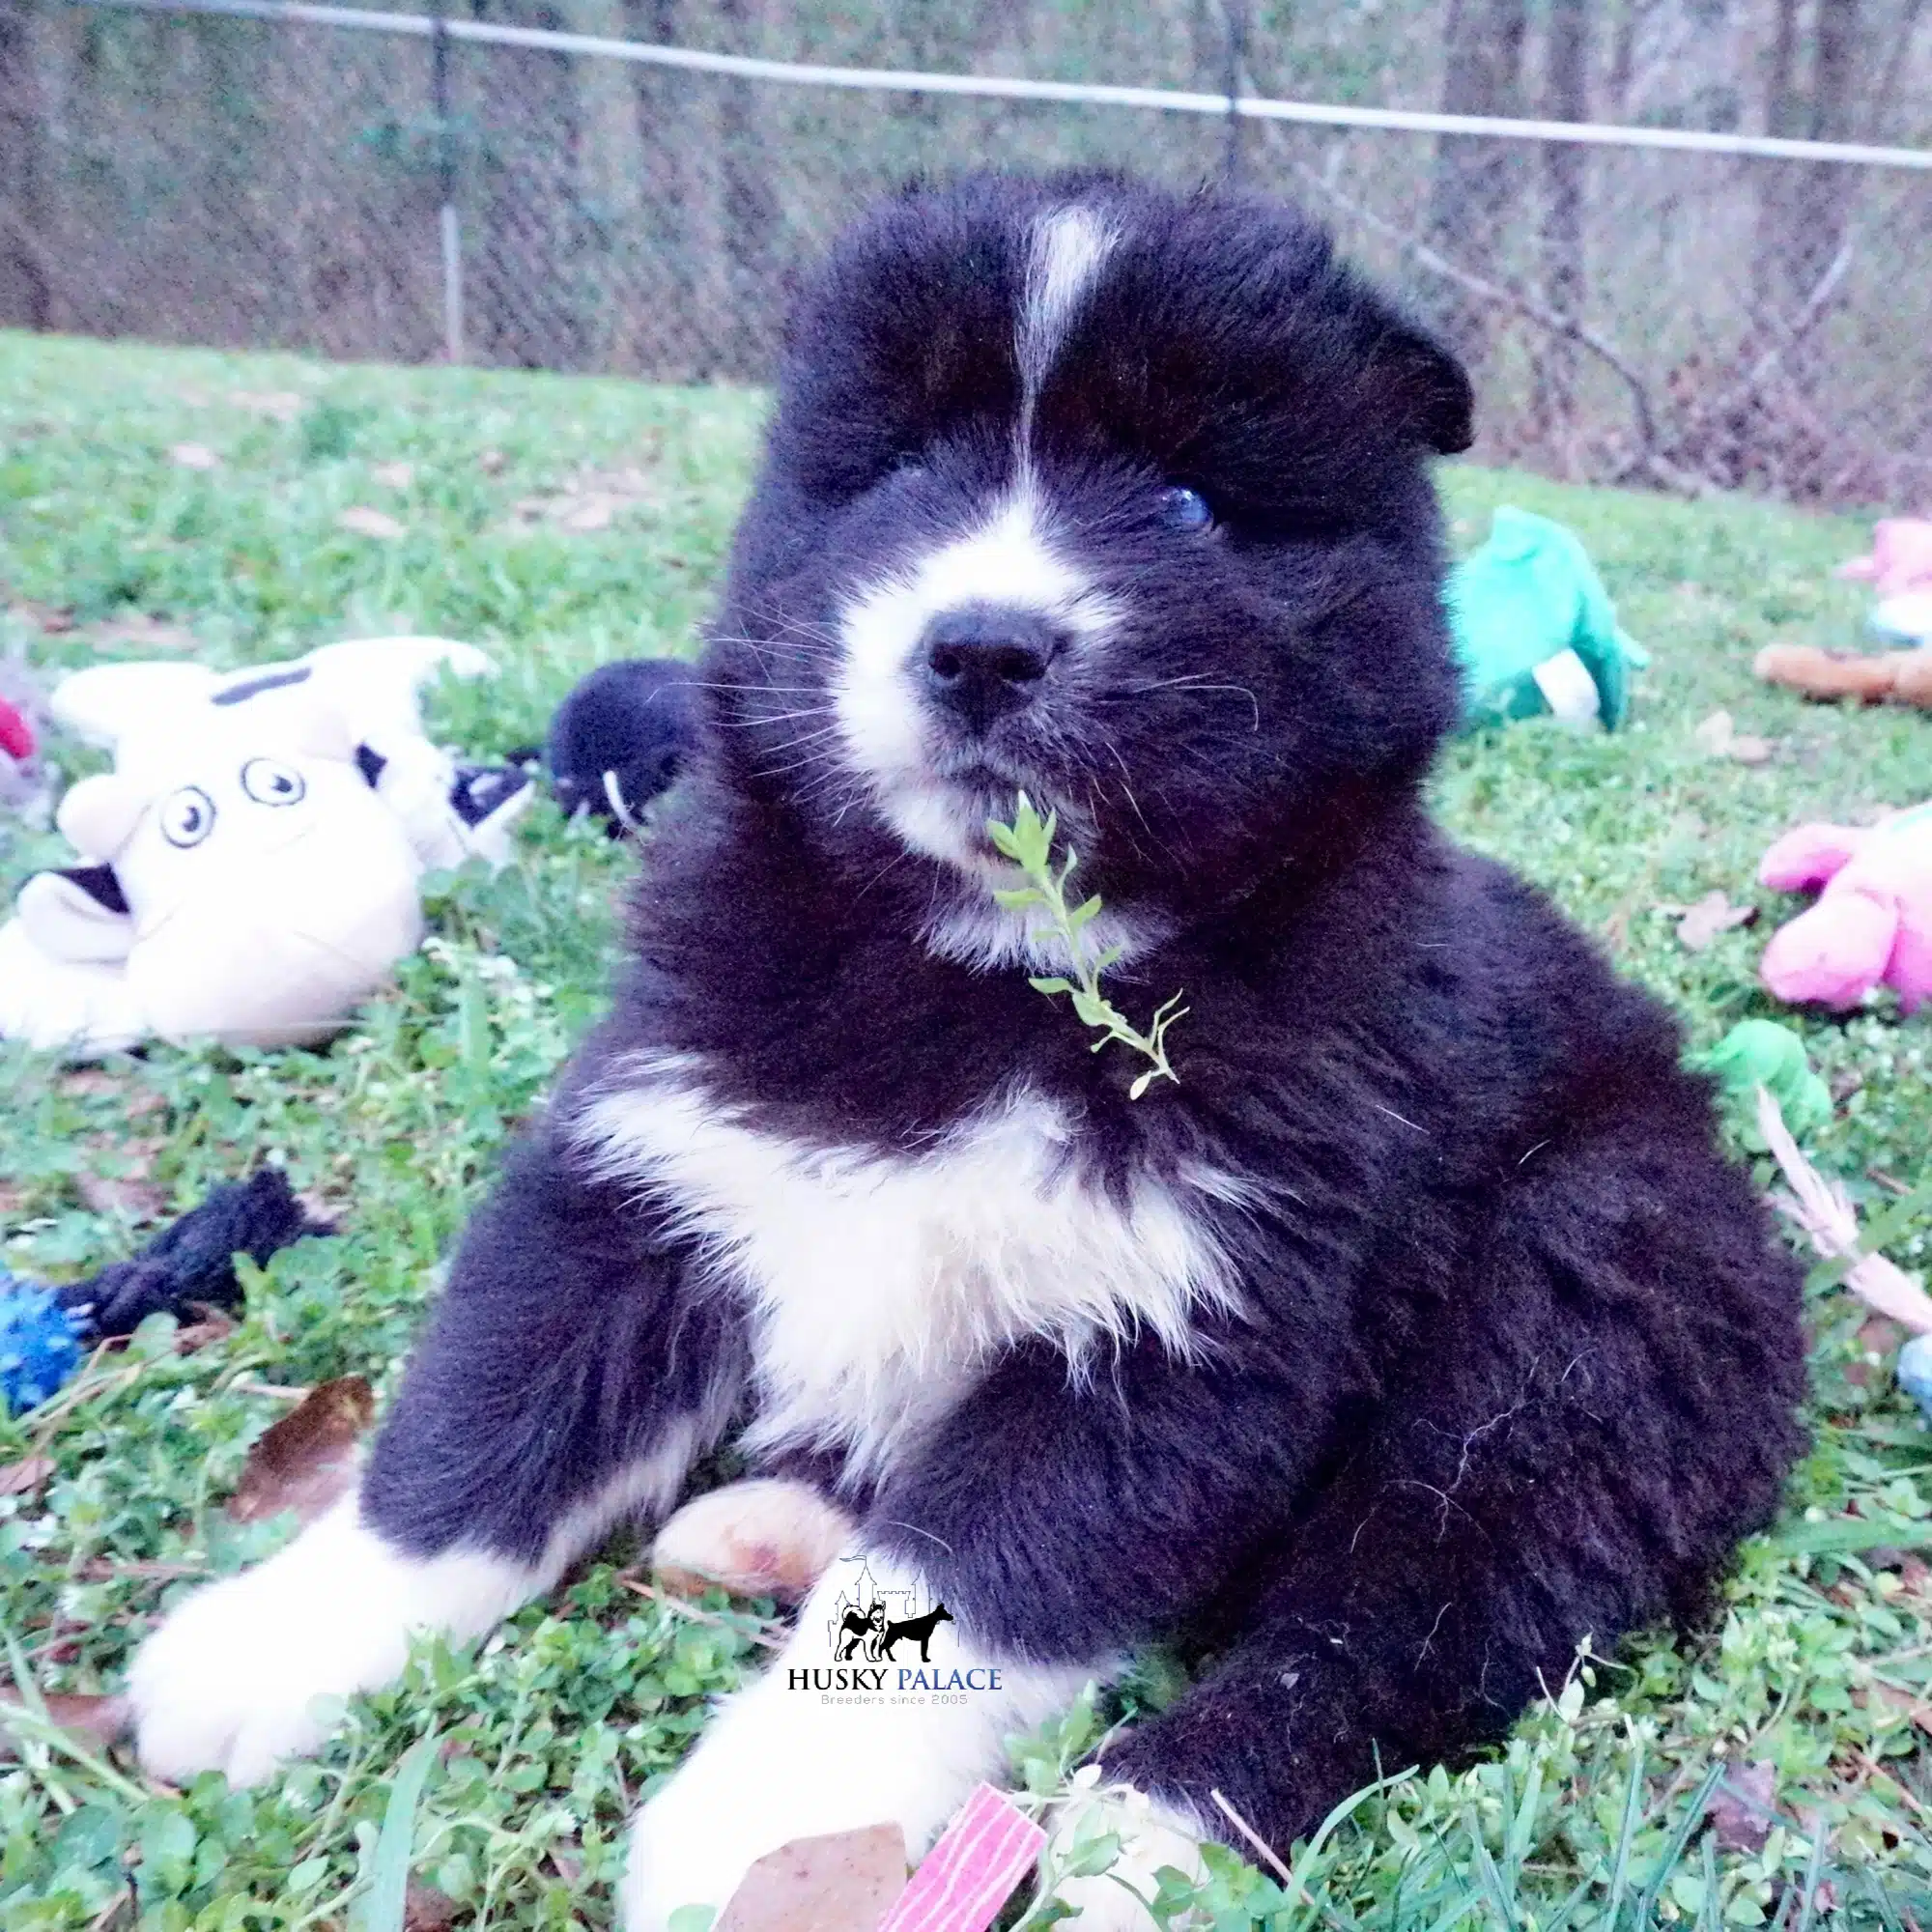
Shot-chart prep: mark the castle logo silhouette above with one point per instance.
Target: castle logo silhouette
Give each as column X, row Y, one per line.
column 869, row 1624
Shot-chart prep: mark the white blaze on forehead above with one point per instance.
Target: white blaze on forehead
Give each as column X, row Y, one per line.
column 1007, row 560
column 1068, row 247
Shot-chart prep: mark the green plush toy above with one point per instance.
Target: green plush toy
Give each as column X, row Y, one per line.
column 1761, row 1053
column 1534, row 629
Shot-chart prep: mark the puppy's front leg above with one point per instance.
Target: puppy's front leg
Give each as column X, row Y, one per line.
column 567, row 1379
column 789, row 1760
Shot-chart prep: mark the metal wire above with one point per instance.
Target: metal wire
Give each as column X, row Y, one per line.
column 1081, row 94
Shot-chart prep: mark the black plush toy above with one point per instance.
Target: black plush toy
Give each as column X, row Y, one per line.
column 192, row 1264
column 618, row 739
column 188, row 1265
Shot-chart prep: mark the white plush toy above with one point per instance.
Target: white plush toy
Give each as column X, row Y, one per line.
column 252, row 862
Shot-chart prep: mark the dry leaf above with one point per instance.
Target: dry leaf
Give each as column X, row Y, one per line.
column 1743, row 1807
column 131, row 1194
column 87, row 1082
column 150, row 633
column 1879, row 1339
column 194, row 456
column 1714, row 735
column 587, row 513
column 307, row 1460
column 1720, row 736
column 23, row 1478
column 367, row 523
column 426, row 1909
column 395, row 475
column 1916, row 1709
column 211, row 1327
column 1712, row 915
column 96, row 1719
column 52, row 620
column 589, row 502
column 284, row 405
column 843, row 1882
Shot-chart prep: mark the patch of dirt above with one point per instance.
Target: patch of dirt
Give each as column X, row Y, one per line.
column 590, row 502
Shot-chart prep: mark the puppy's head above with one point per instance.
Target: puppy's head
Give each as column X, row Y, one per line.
column 1104, row 493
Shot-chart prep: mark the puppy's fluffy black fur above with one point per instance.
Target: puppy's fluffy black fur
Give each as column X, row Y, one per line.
column 1519, row 1356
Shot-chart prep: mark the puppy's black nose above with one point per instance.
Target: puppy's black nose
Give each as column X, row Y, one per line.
column 988, row 660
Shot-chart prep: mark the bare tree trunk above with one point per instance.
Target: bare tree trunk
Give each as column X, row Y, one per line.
column 1824, row 201
column 1623, row 58
column 1476, row 179
column 26, row 291
column 525, row 314
column 1885, row 121
column 1775, row 213
column 1566, row 98
column 750, row 208
column 659, row 326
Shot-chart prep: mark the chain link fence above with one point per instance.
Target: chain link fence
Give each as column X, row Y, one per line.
column 1688, row 320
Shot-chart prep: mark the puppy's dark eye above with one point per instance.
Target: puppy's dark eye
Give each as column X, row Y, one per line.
column 1184, row 509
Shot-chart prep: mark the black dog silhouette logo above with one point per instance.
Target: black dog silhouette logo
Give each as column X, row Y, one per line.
column 873, row 1635
column 868, row 1623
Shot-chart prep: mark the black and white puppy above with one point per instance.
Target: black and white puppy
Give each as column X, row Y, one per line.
column 1416, row 1332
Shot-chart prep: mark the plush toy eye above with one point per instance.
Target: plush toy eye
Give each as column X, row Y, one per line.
column 188, row 816
column 268, row 782
column 1184, row 509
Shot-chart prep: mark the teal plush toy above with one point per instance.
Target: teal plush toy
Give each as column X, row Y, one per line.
column 1534, row 630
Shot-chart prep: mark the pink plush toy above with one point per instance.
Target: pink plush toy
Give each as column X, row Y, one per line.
column 1900, row 559
column 1872, row 923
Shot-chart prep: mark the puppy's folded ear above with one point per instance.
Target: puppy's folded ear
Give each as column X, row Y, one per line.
column 1425, row 387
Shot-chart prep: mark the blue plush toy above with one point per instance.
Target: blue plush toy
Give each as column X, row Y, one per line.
column 1915, row 1372
column 40, row 1344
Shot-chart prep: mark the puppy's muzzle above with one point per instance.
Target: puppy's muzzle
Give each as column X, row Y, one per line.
column 983, row 662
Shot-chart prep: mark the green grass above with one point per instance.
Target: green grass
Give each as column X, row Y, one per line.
column 550, row 1731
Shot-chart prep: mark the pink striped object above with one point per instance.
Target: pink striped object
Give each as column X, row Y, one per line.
column 970, row 1872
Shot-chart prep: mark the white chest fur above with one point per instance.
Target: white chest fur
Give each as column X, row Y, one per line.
column 879, row 1286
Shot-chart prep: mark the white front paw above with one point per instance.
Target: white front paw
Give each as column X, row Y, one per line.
column 1152, row 1836
column 788, row 1759
column 776, row 1764
column 229, row 1681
